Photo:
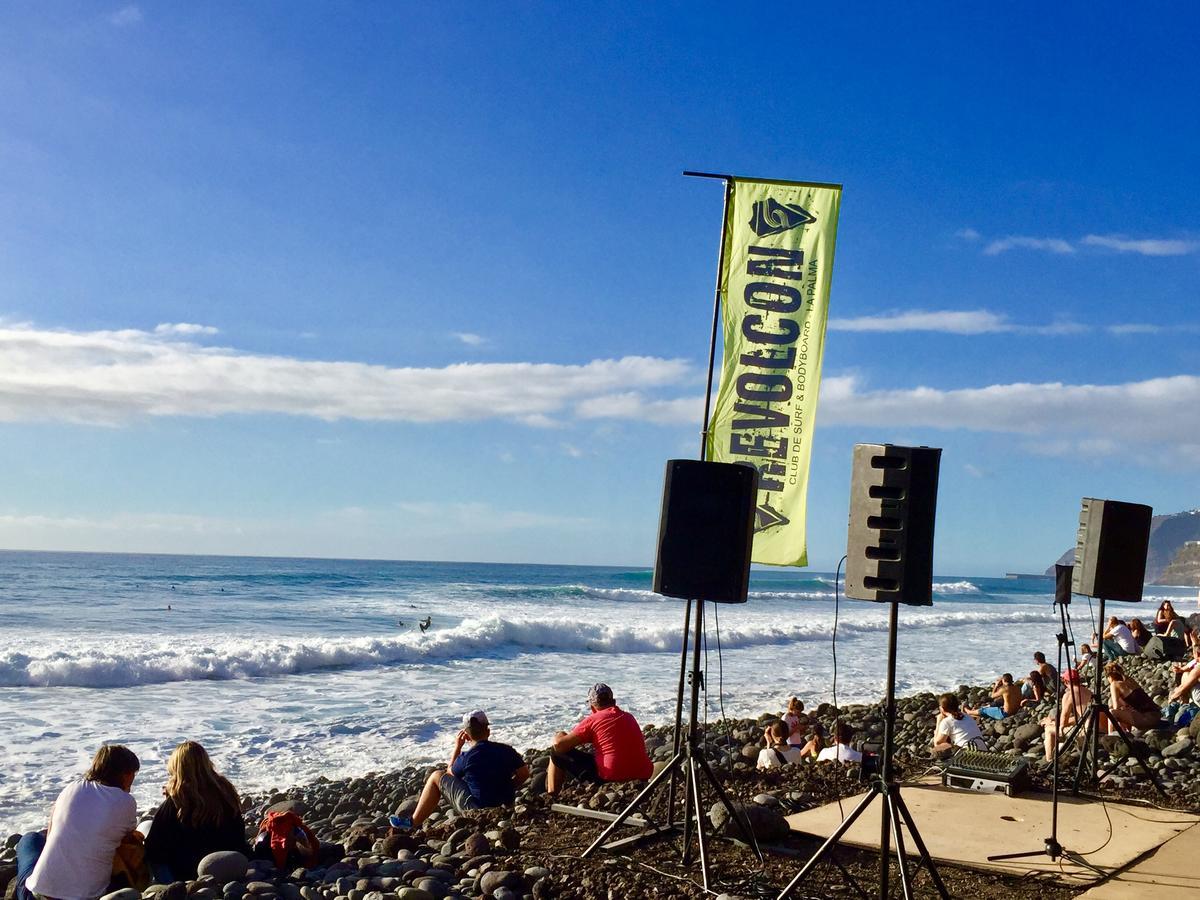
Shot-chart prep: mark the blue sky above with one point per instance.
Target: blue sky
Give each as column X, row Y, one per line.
column 391, row 280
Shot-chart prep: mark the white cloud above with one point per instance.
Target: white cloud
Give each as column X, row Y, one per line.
column 1134, row 328
column 967, row 234
column 979, row 321
column 634, row 405
column 1014, row 242
column 109, row 377
column 126, row 16
column 468, row 338
column 183, row 329
column 572, row 451
column 1144, row 246
column 973, row 470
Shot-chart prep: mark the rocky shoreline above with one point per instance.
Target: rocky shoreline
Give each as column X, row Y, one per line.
column 530, row 851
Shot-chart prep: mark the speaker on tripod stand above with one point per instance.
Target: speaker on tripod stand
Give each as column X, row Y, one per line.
column 889, row 559
column 705, row 535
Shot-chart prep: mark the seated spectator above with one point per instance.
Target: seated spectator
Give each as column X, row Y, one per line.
column 796, row 722
column 1048, row 672
column 1033, row 690
column 1075, row 700
column 1140, row 632
column 1085, row 656
column 955, row 729
column 1163, row 617
column 1118, row 640
column 778, row 751
column 73, row 858
column 841, row 751
column 1129, row 703
column 618, row 746
column 1006, row 700
column 1183, row 703
column 484, row 775
column 816, row 741
column 201, row 813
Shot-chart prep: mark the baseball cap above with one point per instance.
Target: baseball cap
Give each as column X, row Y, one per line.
column 1070, row 676
column 478, row 715
column 600, row 694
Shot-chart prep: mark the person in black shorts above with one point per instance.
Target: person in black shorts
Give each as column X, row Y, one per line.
column 486, row 774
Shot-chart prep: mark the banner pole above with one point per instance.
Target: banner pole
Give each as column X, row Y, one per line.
column 716, row 319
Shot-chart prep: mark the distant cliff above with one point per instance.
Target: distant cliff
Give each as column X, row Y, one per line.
column 1169, row 536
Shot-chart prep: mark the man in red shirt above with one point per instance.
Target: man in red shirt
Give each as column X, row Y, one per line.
column 618, row 748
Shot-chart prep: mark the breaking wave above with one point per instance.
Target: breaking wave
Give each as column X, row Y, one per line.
column 126, row 663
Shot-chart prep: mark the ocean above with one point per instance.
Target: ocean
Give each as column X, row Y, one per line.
column 289, row 669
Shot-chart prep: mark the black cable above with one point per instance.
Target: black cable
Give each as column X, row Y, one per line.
column 721, row 686
column 837, row 714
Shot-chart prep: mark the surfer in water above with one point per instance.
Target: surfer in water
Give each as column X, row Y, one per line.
column 424, row 625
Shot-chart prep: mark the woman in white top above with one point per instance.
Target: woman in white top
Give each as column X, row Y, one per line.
column 954, row 729
column 778, row 752
column 73, row 859
column 796, row 723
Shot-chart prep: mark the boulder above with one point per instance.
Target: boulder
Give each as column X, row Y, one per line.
column 123, row 894
column 176, row 890
column 767, row 823
column 490, row 881
column 1024, row 735
column 1178, row 748
column 224, row 866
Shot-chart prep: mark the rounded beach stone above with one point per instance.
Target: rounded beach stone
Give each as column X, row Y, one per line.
column 414, row 893
column 225, row 865
column 123, row 894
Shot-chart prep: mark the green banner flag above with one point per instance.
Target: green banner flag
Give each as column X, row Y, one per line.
column 778, row 264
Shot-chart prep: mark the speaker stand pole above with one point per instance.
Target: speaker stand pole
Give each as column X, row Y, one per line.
column 1093, row 720
column 1052, row 848
column 687, row 625
column 689, row 763
column 894, row 812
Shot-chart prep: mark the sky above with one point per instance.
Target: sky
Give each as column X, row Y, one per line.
column 425, row 281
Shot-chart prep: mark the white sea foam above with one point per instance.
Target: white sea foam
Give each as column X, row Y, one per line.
column 956, row 587
column 107, row 664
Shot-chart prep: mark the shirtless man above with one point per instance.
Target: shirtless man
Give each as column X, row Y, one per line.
column 1075, row 698
column 1007, row 697
column 1049, row 675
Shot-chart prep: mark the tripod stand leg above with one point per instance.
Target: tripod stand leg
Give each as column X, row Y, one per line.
column 694, row 786
column 1136, row 751
column 926, row 859
column 637, row 801
column 830, row 842
column 734, row 812
column 893, row 816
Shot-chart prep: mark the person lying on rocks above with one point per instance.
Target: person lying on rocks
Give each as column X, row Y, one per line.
column 618, row 746
column 1033, row 690
column 1129, row 703
column 955, row 729
column 1118, row 640
column 1006, row 700
column 1075, row 700
column 73, row 858
column 778, row 752
column 201, row 813
column 1048, row 672
column 841, row 751
column 484, row 775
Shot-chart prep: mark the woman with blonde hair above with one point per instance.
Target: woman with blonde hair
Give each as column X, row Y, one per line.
column 1130, row 704
column 200, row 814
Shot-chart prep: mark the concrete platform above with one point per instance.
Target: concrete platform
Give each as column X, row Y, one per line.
column 1169, row 873
column 963, row 828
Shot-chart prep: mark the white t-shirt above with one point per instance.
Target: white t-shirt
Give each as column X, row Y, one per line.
column 962, row 732
column 769, row 759
column 1125, row 639
column 839, row 753
column 87, row 824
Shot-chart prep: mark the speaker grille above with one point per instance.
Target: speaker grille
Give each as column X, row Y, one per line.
column 893, row 497
column 1110, row 549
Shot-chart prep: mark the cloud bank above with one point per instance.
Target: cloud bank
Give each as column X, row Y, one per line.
column 1118, row 243
column 113, row 377
column 110, row 377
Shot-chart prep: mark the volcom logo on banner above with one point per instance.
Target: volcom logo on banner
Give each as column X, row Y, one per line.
column 765, row 517
column 772, row 217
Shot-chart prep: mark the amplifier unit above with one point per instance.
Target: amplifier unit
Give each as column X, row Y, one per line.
column 987, row 773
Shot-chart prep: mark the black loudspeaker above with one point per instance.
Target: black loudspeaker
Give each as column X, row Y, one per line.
column 893, row 498
column 706, row 531
column 1110, row 549
column 1062, row 584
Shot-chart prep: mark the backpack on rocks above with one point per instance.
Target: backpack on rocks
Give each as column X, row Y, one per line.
column 288, row 839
